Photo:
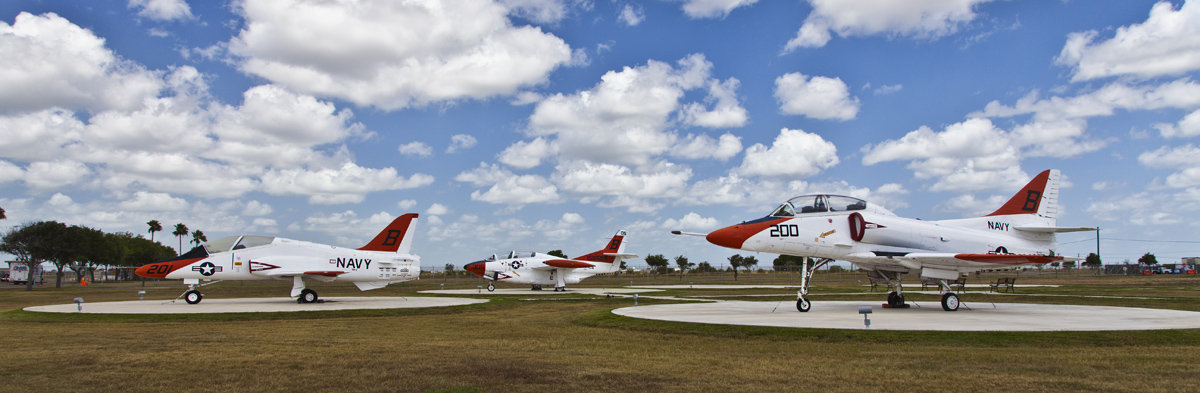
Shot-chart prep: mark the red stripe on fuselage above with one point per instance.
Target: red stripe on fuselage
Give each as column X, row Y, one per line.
column 162, row 269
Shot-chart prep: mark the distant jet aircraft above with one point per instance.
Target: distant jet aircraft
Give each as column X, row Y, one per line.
column 537, row 269
column 831, row 227
column 385, row 260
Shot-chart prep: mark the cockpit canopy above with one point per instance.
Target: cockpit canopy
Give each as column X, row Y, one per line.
column 236, row 243
column 511, row 255
column 818, row 204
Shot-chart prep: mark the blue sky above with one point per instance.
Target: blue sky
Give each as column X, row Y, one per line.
column 551, row 124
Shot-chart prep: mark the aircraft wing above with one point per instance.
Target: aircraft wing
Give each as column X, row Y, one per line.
column 565, row 264
column 998, row 259
column 1053, row 229
column 319, row 275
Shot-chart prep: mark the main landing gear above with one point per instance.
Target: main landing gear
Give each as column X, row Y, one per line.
column 193, row 295
column 949, row 299
column 802, row 304
column 302, row 294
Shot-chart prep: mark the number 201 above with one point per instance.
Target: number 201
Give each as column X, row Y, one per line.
column 785, row 230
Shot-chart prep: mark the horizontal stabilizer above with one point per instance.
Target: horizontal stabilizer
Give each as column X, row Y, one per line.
column 688, row 233
column 620, row 256
column 369, row 285
column 1053, row 229
column 568, row 264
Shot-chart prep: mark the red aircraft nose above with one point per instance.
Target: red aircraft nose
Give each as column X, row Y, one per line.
column 476, row 267
column 735, row 236
column 732, row 237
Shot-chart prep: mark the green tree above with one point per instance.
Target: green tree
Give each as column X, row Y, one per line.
column 657, row 262
column 2, row 216
column 180, row 231
column 198, row 237
column 558, row 253
column 705, row 267
column 1148, row 260
column 683, row 264
column 34, row 243
column 448, row 268
column 749, row 262
column 735, row 261
column 787, row 261
column 155, row 226
column 1092, row 261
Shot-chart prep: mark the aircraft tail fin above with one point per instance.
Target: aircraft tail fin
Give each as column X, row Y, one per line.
column 612, row 253
column 397, row 237
column 1039, row 197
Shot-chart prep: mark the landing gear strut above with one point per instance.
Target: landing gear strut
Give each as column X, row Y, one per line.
column 802, row 304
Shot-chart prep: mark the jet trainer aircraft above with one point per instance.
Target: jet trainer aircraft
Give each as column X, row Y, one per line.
column 832, row 227
column 385, row 260
column 536, row 269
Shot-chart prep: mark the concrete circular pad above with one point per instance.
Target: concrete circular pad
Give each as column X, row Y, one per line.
column 929, row 316
column 272, row 304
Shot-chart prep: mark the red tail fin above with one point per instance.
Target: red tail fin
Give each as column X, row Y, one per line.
column 397, row 237
column 615, row 246
column 1028, row 200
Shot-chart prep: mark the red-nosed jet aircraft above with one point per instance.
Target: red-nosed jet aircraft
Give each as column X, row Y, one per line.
column 831, row 227
column 385, row 260
column 536, row 269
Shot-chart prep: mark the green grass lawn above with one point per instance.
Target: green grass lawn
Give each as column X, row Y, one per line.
column 520, row 343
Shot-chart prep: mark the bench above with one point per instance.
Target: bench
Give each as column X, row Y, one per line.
column 877, row 279
column 961, row 283
column 1005, row 283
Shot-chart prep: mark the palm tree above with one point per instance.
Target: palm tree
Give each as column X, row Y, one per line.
column 154, row 227
column 180, row 231
column 198, row 237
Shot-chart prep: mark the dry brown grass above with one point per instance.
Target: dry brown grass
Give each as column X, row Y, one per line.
column 567, row 345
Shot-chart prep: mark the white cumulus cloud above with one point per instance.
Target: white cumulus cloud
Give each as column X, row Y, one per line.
column 794, row 153
column 817, row 97
column 921, row 19
column 1167, row 43
column 394, row 55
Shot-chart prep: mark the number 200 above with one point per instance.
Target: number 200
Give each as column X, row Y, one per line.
column 785, row 230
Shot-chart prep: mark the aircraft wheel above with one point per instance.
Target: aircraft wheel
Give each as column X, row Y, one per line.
column 308, row 296
column 536, row 288
column 491, row 287
column 950, row 302
column 193, row 297
column 892, row 299
column 803, row 305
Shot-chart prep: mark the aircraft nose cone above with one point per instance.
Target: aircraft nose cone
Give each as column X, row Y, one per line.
column 731, row 236
column 475, row 267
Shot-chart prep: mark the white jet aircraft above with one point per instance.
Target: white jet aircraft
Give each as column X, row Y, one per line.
column 831, row 227
column 537, row 269
column 385, row 260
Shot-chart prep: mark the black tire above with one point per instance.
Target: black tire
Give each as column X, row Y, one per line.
column 308, row 296
column 891, row 301
column 491, row 287
column 536, row 288
column 803, row 305
column 950, row 302
column 192, row 297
